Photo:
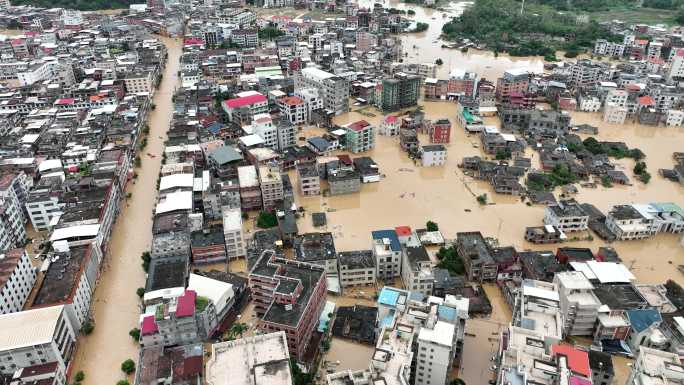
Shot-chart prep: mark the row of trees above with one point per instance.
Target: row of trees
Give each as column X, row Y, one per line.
column 82, row 5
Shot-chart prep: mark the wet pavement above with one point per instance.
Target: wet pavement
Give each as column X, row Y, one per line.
column 115, row 307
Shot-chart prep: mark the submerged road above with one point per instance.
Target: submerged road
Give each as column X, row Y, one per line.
column 115, row 307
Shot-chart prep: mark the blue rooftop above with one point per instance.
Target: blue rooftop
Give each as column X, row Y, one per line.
column 388, row 297
column 389, row 234
column 641, row 319
column 446, row 313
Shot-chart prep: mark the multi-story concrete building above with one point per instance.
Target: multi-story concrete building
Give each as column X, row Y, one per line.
column 433, row 155
column 171, row 317
column 566, row 216
column 586, row 73
column 360, row 136
column 288, row 296
column 656, row 367
column 294, row 108
column 38, row 337
column 416, row 269
column 604, row 47
column 400, row 91
column 271, row 186
column 390, row 126
column 579, row 305
column 440, row 131
column 44, row 203
column 613, row 113
column 356, row 268
column 17, row 276
column 628, row 222
column 250, row 192
column 262, row 125
column 477, row 256
column 12, row 231
column 139, row 82
column 515, row 80
column 70, row 281
column 333, row 90
column 539, row 302
column 242, row 109
column 462, row 83
column 17, row 186
column 232, row 233
column 674, row 118
column 677, row 65
column 344, row 181
column 388, row 254
column 262, row 359
column 309, row 180
column 311, row 99
column 601, row 365
column 287, row 134
column 435, row 353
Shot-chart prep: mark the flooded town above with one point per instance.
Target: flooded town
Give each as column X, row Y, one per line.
column 355, row 192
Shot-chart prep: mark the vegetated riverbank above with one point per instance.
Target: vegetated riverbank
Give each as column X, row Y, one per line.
column 81, row 5
column 539, row 30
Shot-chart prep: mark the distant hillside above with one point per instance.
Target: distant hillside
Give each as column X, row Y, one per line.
column 593, row 5
column 83, row 5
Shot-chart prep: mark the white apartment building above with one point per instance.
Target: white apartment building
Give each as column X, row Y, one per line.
column 674, row 118
column 427, row 70
column 614, row 113
column 271, row 186
column 57, row 71
column 604, row 47
column 311, row 99
column 566, row 216
column 617, row 97
column 332, row 89
column 630, row 222
column 537, row 307
column 239, row 17
column 656, row 367
column 676, row 65
column 578, row 304
column 387, row 251
column 262, row 125
column 435, row 353
column 17, row 277
column 433, row 155
column 356, row 268
column 35, row 337
column 232, row 232
column 12, row 231
column 43, row 208
column 416, row 270
column 589, row 103
column 139, row 82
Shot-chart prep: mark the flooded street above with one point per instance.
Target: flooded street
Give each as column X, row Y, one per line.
column 411, row 195
column 115, row 306
column 428, row 46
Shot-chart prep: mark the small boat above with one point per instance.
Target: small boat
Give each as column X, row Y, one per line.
column 151, row 155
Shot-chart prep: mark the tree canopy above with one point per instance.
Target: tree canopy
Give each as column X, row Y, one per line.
column 82, row 5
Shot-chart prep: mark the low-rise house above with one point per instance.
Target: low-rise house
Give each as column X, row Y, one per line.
column 544, row 234
column 356, row 267
column 368, row 169
column 344, row 181
column 178, row 365
column 390, row 126
column 433, row 155
column 566, row 216
column 644, row 330
column 539, row 265
column 309, row 180
column 250, row 191
column 655, row 367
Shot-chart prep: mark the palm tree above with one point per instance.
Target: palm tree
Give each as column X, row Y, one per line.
column 238, row 328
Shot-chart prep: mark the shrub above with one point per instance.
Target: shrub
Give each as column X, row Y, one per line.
column 80, row 376
column 128, row 366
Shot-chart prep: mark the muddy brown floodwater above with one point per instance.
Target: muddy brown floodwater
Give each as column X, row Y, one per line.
column 410, row 195
column 115, row 306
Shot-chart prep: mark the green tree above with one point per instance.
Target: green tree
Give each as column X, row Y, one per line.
column 140, row 292
column 482, row 199
column 266, row 220
column 135, row 334
column 439, row 61
column 123, row 382
column 503, row 154
column 87, row 327
column 457, row 381
column 146, row 259
column 270, row 33
column 237, row 329
column 79, row 376
column 450, row 260
column 128, row 366
column 431, row 226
